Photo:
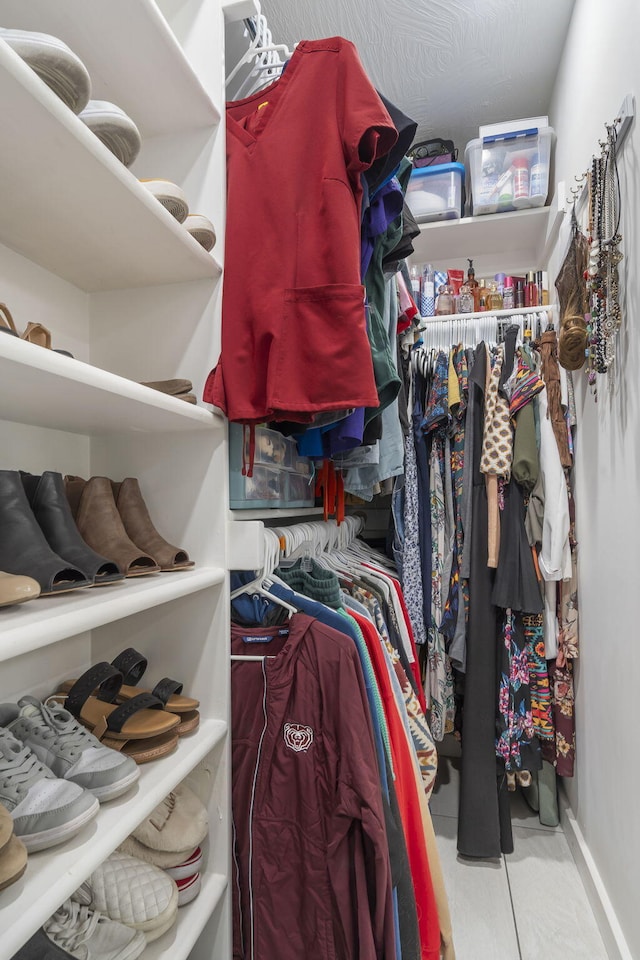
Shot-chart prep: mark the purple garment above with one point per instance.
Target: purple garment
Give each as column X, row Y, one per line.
column 383, row 209
column 346, row 435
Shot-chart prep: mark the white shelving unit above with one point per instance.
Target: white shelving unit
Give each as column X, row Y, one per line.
column 516, row 241
column 56, row 873
column 89, row 253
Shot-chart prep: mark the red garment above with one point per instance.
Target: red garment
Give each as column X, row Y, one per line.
column 415, row 663
column 408, row 800
column 311, row 857
column 294, row 339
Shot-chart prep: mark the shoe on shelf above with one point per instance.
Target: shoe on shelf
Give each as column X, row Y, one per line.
column 188, row 868
column 39, row 947
column 114, row 129
column 15, row 589
column 48, row 500
column 201, row 229
column 188, row 889
column 137, row 523
column 45, row 809
column 13, row 853
column 159, row 858
column 140, row 729
column 180, row 389
column 180, row 821
column 170, row 195
column 23, row 546
column 89, row 935
column 34, row 332
column 55, row 64
column 133, row 665
column 94, row 510
column 68, row 749
column 134, row 893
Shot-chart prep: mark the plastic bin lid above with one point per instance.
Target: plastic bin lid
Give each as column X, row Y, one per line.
column 438, row 168
column 507, row 137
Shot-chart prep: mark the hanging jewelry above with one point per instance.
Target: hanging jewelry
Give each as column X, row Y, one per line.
column 604, row 258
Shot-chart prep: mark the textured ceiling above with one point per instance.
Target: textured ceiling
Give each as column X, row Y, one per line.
column 449, row 64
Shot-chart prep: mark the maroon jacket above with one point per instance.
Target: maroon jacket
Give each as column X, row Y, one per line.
column 311, row 862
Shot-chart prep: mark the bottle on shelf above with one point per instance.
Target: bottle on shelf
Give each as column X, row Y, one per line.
column 520, row 180
column 427, row 295
column 531, row 290
column 509, row 295
column 466, row 302
column 519, row 294
column 494, row 300
column 499, row 279
column 414, row 274
column 537, row 178
column 445, row 304
column 545, row 289
column 482, row 296
column 473, row 284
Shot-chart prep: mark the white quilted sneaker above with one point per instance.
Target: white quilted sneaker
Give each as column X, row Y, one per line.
column 68, row 749
column 132, row 892
column 45, row 810
column 88, row 935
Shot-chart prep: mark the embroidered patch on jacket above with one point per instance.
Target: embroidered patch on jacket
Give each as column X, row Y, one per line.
column 297, row 736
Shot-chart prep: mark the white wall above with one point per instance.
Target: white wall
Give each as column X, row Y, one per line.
column 600, row 66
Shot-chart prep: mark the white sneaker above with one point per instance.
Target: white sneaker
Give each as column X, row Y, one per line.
column 68, row 749
column 132, row 892
column 88, row 935
column 201, row 229
column 45, row 810
column 170, row 196
column 188, row 889
column 55, row 64
column 114, row 128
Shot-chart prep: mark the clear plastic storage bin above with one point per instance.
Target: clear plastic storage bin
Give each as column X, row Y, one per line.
column 509, row 171
column 435, row 192
column 281, row 478
column 264, row 489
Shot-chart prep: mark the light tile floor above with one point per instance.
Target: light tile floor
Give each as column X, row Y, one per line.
column 529, row 905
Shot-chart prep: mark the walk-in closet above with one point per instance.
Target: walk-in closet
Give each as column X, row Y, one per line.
column 319, row 438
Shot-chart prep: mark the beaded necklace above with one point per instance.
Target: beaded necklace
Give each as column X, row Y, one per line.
column 604, row 257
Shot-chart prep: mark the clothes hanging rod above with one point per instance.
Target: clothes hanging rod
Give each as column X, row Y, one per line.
column 501, row 315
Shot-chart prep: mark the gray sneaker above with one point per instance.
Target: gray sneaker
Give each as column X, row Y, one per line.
column 68, row 749
column 45, row 810
column 89, row 935
column 39, row 947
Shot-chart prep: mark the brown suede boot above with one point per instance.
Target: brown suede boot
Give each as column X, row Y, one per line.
column 99, row 523
column 137, row 523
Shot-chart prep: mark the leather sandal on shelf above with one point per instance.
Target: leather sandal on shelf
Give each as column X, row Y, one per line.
column 48, row 500
column 137, row 523
column 34, row 333
column 96, row 515
column 132, row 665
column 24, row 550
column 91, row 700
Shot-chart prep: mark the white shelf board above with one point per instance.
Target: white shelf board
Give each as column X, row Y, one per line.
column 136, row 62
column 178, row 942
column 38, row 623
column 275, row 513
column 45, row 389
column 71, row 207
column 503, row 241
column 54, row 874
